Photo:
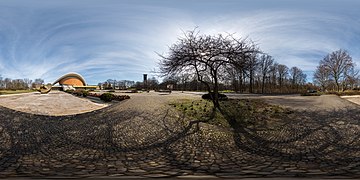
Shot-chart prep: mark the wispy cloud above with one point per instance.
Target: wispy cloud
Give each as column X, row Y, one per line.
column 299, row 38
column 118, row 39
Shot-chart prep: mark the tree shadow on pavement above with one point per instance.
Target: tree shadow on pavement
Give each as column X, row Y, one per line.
column 98, row 135
column 312, row 137
column 169, row 138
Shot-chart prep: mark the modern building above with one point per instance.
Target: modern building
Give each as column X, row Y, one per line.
column 71, row 81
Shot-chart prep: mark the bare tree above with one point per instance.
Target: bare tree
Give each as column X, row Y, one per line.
column 2, row 84
column 28, row 82
column 184, row 78
column 273, row 75
column 282, row 72
column 351, row 79
column 322, row 77
column 7, row 83
column 207, row 57
column 235, row 79
column 295, row 73
column 124, row 84
column 37, row 82
column 251, row 66
column 265, row 63
column 338, row 64
column 297, row 78
column 153, row 83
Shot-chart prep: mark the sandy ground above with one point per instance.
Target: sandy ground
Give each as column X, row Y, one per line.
column 55, row 103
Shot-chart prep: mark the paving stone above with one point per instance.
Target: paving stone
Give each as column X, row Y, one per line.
column 125, row 140
column 137, row 171
column 156, row 175
column 198, row 177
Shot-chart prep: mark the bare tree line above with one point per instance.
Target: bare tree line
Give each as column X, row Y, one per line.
column 151, row 84
column 19, row 84
column 213, row 63
column 264, row 81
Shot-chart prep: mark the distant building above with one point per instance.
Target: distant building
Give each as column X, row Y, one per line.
column 71, row 81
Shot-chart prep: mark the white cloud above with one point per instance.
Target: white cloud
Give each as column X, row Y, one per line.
column 286, row 34
column 120, row 40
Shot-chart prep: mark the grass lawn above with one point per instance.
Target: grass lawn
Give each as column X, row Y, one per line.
column 3, row 92
column 251, row 113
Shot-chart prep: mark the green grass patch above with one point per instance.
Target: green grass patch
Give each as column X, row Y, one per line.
column 196, row 109
column 226, row 91
column 247, row 112
column 3, row 92
column 254, row 112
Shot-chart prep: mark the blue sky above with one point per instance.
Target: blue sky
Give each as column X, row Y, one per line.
column 117, row 39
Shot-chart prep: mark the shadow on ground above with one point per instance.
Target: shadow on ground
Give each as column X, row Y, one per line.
column 166, row 143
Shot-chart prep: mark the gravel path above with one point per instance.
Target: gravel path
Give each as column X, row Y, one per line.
column 144, row 137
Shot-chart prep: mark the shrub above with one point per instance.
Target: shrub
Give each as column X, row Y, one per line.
column 69, row 91
column 310, row 94
column 94, row 94
column 78, row 92
column 85, row 93
column 120, row 98
column 208, row 96
column 107, row 97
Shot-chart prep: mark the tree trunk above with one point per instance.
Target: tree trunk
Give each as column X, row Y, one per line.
column 251, row 82
column 235, row 84
column 280, row 84
column 240, row 83
column 263, row 85
column 216, row 93
column 337, row 86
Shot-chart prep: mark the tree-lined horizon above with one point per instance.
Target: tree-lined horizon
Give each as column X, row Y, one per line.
column 216, row 60
column 214, row 63
column 209, row 57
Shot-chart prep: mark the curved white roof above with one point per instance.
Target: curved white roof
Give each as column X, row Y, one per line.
column 71, row 74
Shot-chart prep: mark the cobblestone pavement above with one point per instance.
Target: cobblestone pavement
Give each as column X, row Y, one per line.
column 144, row 137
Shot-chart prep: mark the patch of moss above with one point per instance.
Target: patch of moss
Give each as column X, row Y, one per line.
column 200, row 110
column 247, row 112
